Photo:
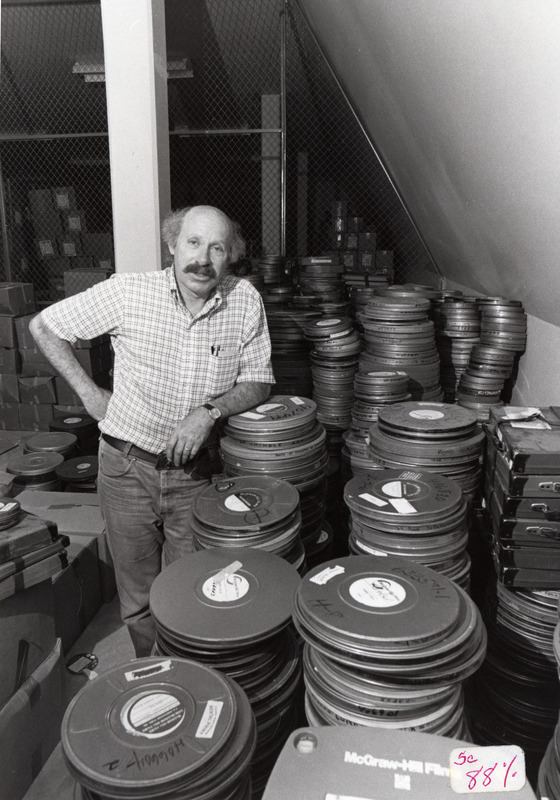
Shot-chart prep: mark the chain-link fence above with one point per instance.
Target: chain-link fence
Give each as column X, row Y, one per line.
column 225, row 141
column 54, row 153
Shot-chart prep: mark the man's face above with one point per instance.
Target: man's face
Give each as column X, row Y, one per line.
column 201, row 254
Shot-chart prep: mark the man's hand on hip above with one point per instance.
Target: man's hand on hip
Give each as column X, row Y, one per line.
column 189, row 436
column 95, row 401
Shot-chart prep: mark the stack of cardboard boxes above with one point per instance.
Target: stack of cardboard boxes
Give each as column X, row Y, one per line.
column 74, row 258
column 31, row 393
column 357, row 243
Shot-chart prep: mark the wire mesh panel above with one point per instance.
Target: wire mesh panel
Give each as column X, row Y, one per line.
column 337, row 163
column 218, row 154
column 53, row 146
column 219, row 157
column 225, row 115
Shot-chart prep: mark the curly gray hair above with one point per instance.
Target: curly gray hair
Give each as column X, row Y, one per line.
column 171, row 227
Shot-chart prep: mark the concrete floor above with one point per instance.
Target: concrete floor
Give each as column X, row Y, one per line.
column 107, row 637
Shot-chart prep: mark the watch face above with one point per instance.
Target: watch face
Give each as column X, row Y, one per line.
column 214, row 412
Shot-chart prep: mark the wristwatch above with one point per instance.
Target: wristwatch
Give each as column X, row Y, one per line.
column 214, row 412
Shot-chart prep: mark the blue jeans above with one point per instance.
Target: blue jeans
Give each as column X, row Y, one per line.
column 146, row 514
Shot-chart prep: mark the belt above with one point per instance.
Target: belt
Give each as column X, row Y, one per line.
column 130, row 449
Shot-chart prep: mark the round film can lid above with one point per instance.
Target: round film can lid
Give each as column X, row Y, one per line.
column 33, row 464
column 56, row 442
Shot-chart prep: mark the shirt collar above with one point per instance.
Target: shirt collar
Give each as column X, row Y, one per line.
column 214, row 301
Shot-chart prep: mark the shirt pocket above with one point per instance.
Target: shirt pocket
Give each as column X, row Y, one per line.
column 224, row 369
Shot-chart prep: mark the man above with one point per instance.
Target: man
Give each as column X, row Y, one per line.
column 181, row 337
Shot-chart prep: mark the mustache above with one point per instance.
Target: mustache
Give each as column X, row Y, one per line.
column 207, row 270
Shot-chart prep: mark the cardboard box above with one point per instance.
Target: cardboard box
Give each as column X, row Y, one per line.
column 77, row 590
column 350, row 241
column 35, row 417
column 366, row 260
column 9, row 388
column 9, row 417
column 58, row 266
column 67, row 396
column 78, row 280
column 99, row 245
column 384, row 262
column 44, row 216
column 23, row 335
column 70, row 245
column 7, row 331
column 95, row 360
column 82, row 262
column 75, row 514
column 37, row 390
column 349, row 259
column 46, row 249
column 30, row 726
column 367, row 240
column 62, row 411
column 33, row 362
column 85, row 344
column 17, row 298
column 73, row 221
column 64, row 198
column 355, row 224
column 27, row 634
column 10, row 361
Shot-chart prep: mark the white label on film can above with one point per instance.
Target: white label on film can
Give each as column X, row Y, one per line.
column 378, row 592
column 326, row 575
column 209, row 719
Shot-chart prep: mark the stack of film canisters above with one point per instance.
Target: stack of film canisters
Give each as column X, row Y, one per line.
column 399, row 335
column 35, row 471
column 372, row 391
column 515, row 696
column 290, row 349
column 249, row 511
column 10, row 512
column 522, row 480
column 437, row 437
column 336, row 347
column 254, row 277
column 78, row 474
column 388, row 643
column 549, row 769
column 503, row 324
column 83, row 427
column 410, row 290
column 320, row 277
column 275, row 296
column 341, row 763
column 360, row 288
column 283, row 439
column 30, row 548
column 272, row 269
column 117, row 729
column 63, row 443
column 417, row 515
column 503, row 336
column 231, row 610
column 71, row 472
column 457, row 330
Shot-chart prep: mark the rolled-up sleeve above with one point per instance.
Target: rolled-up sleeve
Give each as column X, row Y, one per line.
column 88, row 314
column 255, row 362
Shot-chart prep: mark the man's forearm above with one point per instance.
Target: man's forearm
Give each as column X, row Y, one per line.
column 242, row 396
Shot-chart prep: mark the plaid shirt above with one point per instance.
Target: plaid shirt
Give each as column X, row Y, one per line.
column 167, row 363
